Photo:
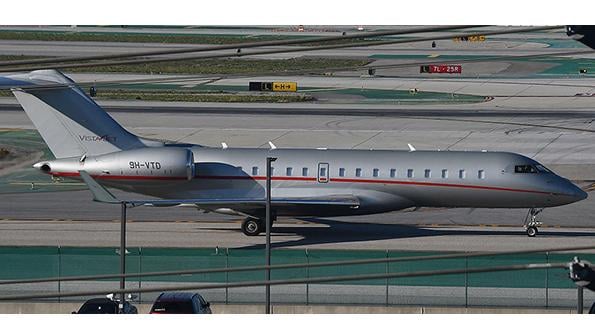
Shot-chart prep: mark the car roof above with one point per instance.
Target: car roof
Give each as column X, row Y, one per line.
column 100, row 301
column 175, row 296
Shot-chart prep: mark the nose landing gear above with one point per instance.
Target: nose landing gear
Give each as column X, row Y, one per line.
column 531, row 222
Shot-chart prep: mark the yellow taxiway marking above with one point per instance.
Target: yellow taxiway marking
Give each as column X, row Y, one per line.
column 434, row 56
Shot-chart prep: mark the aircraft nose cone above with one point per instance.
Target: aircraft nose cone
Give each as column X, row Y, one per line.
column 581, row 195
column 575, row 192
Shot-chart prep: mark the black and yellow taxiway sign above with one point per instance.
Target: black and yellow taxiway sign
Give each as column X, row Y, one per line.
column 284, row 87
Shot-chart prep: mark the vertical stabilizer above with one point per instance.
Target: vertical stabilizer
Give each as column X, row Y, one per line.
column 70, row 122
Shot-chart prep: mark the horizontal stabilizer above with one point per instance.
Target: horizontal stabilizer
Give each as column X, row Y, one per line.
column 100, row 193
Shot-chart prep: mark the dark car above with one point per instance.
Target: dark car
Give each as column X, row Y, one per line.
column 180, row 303
column 105, row 306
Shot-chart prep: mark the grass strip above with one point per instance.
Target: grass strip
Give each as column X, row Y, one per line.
column 223, row 66
column 138, row 37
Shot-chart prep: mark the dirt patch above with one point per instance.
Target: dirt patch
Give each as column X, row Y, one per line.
column 4, row 153
column 14, row 159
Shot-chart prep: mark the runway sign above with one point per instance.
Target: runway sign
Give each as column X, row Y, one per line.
column 284, row 86
column 440, row 68
column 273, row 86
column 474, row 38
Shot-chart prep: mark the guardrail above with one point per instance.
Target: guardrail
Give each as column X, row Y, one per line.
column 367, row 277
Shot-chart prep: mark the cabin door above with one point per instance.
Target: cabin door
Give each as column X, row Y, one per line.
column 323, row 173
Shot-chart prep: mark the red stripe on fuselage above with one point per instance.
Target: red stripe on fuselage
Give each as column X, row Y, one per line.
column 117, row 177
column 309, row 179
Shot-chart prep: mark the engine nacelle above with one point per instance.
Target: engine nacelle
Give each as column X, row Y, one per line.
column 166, row 163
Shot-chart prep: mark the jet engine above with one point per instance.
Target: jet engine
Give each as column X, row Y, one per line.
column 165, row 163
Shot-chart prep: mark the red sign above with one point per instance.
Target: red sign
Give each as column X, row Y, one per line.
column 441, row 68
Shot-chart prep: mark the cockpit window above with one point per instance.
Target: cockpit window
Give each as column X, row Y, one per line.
column 542, row 168
column 525, row 169
column 531, row 169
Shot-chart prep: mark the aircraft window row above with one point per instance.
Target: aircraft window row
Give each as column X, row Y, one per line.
column 393, row 173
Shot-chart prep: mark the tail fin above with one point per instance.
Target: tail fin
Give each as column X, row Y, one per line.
column 70, row 122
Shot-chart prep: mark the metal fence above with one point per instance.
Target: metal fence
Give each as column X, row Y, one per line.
column 529, row 288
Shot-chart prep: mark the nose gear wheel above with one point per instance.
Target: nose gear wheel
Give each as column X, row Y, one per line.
column 531, row 222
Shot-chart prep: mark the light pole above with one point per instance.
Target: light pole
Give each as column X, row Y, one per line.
column 122, row 255
column 268, row 224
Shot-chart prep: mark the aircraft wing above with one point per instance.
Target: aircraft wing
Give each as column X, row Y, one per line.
column 101, row 194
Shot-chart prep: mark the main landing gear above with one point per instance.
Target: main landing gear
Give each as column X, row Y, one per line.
column 252, row 226
column 531, row 222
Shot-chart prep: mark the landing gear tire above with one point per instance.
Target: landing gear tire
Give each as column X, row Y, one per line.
column 531, row 222
column 532, row 231
column 252, row 227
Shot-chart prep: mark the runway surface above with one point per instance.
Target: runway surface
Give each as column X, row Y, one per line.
column 557, row 131
column 561, row 139
column 72, row 219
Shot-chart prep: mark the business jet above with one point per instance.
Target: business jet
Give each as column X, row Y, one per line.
column 89, row 145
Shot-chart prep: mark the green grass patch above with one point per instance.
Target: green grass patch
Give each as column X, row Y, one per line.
column 231, row 66
column 140, row 37
column 220, row 66
column 203, row 97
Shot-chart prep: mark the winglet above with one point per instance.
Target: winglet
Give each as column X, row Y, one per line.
column 100, row 194
column 273, row 147
column 411, row 147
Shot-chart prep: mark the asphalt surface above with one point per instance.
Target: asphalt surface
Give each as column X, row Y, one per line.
column 562, row 139
column 539, row 117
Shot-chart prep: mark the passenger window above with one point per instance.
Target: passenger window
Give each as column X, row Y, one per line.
column 462, row 174
column 409, row 173
column 375, row 172
column 305, row 172
column 323, row 172
column 341, row 172
column 255, row 170
column 358, row 172
column 393, row 173
column 427, row 173
column 289, row 171
column 444, row 173
column 481, row 174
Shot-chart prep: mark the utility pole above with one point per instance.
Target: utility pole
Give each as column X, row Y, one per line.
column 580, row 303
column 122, row 256
column 268, row 235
